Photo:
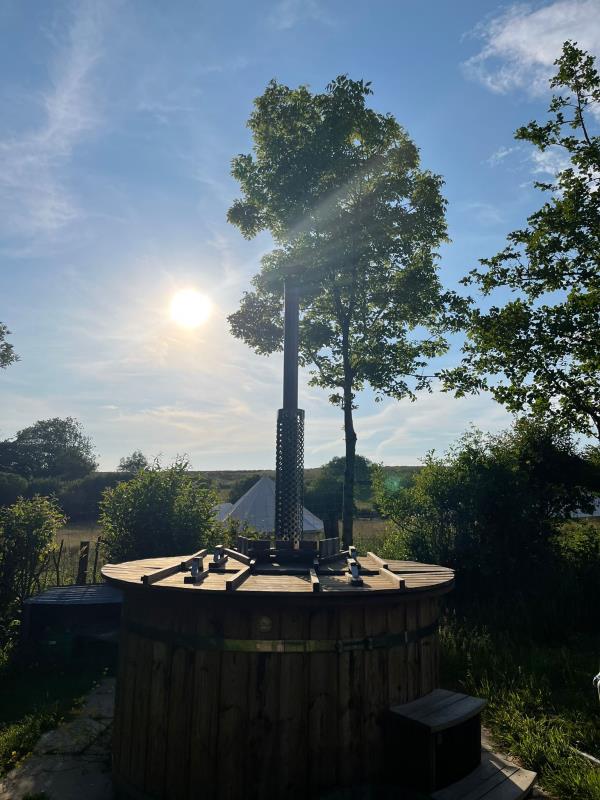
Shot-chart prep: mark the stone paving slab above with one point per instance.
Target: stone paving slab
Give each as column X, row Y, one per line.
column 71, row 762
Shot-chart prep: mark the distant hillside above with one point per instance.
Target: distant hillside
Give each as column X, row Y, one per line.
column 223, row 480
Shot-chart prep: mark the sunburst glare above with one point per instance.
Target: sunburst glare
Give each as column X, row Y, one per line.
column 190, row 308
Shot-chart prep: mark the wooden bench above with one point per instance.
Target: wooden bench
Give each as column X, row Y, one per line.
column 437, row 739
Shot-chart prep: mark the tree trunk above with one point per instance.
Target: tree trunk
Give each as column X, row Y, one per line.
column 350, row 436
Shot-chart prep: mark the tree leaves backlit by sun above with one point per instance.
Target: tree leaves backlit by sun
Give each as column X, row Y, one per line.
column 540, row 352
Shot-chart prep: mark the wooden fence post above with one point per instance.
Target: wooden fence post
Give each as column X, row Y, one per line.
column 56, row 560
column 98, row 542
column 84, row 552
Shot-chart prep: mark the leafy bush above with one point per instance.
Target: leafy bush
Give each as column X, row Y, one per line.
column 12, row 486
column 81, row 499
column 27, row 531
column 46, row 487
column 158, row 512
column 492, row 507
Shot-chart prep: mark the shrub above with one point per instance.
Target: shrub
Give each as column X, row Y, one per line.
column 81, row 499
column 491, row 507
column 158, row 512
column 12, row 486
column 27, row 531
column 45, row 487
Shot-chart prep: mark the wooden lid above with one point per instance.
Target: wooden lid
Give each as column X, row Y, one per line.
column 363, row 575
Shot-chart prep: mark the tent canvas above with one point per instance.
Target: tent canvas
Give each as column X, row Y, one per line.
column 257, row 509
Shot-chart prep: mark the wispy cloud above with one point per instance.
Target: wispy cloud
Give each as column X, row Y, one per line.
column 34, row 197
column 288, row 13
column 522, row 43
column 549, row 162
column 500, row 155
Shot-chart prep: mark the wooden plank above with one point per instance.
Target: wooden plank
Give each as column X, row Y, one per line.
column 490, row 768
column 158, row 701
column 396, row 580
column 397, row 655
column 314, row 580
column 261, row 745
column 139, row 711
column 178, row 724
column 322, row 713
column 495, row 779
column 244, row 559
column 294, row 708
column 416, row 708
column 376, row 694
column 237, row 579
column 447, row 712
column 152, row 577
column 204, row 728
column 351, row 689
column 233, row 710
column 379, row 561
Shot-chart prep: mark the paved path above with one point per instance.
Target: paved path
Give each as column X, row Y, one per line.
column 71, row 762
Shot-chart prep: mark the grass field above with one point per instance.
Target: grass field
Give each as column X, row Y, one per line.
column 62, row 568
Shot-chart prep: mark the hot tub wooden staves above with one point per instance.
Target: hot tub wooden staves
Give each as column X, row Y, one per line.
column 263, row 680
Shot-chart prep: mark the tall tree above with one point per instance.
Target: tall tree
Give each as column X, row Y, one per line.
column 49, row 448
column 540, row 351
column 133, row 463
column 356, row 223
column 7, row 351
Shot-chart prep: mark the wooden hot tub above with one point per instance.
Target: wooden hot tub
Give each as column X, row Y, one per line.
column 253, row 683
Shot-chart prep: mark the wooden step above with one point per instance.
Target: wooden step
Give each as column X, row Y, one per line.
column 494, row 779
column 440, row 710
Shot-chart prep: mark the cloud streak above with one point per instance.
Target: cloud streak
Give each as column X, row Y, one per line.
column 521, row 44
column 34, row 198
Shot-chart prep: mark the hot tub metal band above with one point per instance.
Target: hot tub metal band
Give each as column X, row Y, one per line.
column 281, row 645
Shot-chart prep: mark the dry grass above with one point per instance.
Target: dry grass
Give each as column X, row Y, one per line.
column 369, row 534
column 62, row 568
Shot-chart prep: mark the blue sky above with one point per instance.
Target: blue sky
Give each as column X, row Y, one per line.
column 119, row 121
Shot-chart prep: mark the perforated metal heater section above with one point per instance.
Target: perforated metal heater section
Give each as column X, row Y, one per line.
column 289, row 477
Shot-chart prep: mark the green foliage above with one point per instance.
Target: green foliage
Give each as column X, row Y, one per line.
column 51, row 448
column 539, row 352
column 241, row 486
column 492, row 507
column 12, row 486
column 27, row 531
column 158, row 512
column 19, row 738
column 324, row 494
column 357, row 223
column 541, row 704
column 7, row 351
column 80, row 499
column 133, row 463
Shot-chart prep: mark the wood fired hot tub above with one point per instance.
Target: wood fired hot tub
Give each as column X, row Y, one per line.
column 252, row 683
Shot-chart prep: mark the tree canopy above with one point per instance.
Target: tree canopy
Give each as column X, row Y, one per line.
column 133, row 463
column 491, row 505
column 539, row 352
column 7, row 351
column 49, row 448
column 356, row 222
column 158, row 512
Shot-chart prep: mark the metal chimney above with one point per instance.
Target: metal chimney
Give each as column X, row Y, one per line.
column 289, row 480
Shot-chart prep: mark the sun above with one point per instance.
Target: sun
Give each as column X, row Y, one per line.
column 190, row 308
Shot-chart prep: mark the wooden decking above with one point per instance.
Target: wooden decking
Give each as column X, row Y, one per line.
column 440, row 710
column 241, row 574
column 494, row 779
